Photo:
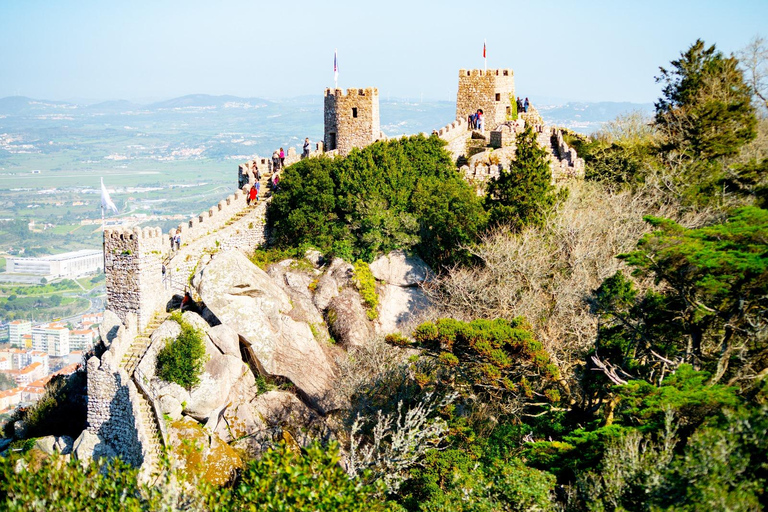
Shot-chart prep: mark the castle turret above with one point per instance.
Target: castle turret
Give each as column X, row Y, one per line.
column 351, row 119
column 491, row 90
column 133, row 268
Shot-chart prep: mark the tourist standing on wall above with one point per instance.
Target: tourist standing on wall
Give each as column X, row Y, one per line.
column 305, row 154
column 526, row 105
column 275, row 162
column 282, row 158
column 251, row 195
column 480, row 120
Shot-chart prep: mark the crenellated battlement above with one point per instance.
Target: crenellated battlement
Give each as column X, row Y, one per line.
column 458, row 127
column 485, row 72
column 351, row 93
column 213, row 219
column 132, row 234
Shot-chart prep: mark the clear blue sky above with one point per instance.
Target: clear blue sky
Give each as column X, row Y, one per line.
column 140, row 50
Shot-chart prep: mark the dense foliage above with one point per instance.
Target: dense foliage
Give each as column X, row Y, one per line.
column 181, row 360
column 53, row 484
column 706, row 109
column 399, row 194
column 283, row 479
column 710, row 310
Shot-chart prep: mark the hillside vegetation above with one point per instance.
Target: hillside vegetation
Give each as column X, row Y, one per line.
column 604, row 349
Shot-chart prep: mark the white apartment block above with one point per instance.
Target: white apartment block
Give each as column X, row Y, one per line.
column 16, row 331
column 51, row 338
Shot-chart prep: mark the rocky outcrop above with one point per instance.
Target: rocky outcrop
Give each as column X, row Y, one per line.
column 400, row 308
column 298, row 285
column 89, row 446
column 225, row 339
column 401, row 299
column 203, row 453
column 400, row 269
column 221, row 372
column 243, row 296
column 252, row 427
column 347, row 319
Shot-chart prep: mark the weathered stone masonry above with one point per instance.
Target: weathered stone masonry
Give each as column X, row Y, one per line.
column 491, row 90
column 351, row 119
column 133, row 268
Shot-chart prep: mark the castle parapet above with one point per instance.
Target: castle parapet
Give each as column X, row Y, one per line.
column 485, row 72
column 367, row 91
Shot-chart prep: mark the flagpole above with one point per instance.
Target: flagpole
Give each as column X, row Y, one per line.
column 335, row 69
column 485, row 59
column 103, row 242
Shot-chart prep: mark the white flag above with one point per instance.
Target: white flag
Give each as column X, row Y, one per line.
column 106, row 202
column 335, row 67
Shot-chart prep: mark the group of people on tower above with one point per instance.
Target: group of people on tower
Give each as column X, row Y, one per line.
column 522, row 106
column 477, row 121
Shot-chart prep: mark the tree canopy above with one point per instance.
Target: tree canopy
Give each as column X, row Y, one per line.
column 706, row 107
column 399, row 194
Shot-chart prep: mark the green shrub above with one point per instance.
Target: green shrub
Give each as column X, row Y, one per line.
column 399, row 194
column 366, row 285
column 182, row 360
column 286, row 479
column 51, row 484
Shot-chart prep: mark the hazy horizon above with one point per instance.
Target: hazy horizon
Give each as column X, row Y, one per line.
column 145, row 51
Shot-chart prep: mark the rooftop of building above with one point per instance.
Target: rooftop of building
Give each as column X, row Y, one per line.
column 64, row 256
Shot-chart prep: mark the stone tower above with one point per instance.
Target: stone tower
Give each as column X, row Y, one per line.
column 351, row 119
column 491, row 90
column 133, row 267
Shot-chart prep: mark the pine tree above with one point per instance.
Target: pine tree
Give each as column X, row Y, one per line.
column 705, row 111
column 524, row 194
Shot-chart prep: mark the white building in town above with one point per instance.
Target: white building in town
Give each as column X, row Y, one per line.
column 16, row 331
column 51, row 338
column 67, row 265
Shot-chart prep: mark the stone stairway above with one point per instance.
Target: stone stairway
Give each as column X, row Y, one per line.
column 140, row 345
column 155, row 448
column 129, row 363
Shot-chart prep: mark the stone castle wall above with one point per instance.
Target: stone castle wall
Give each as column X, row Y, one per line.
column 245, row 233
column 351, row 119
column 455, row 135
column 491, row 90
column 133, row 268
column 113, row 403
column 566, row 164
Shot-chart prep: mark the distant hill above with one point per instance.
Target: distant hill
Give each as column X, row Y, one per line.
column 19, row 105
column 113, row 106
column 206, row 100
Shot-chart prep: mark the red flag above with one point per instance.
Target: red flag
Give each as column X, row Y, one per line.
column 483, row 49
